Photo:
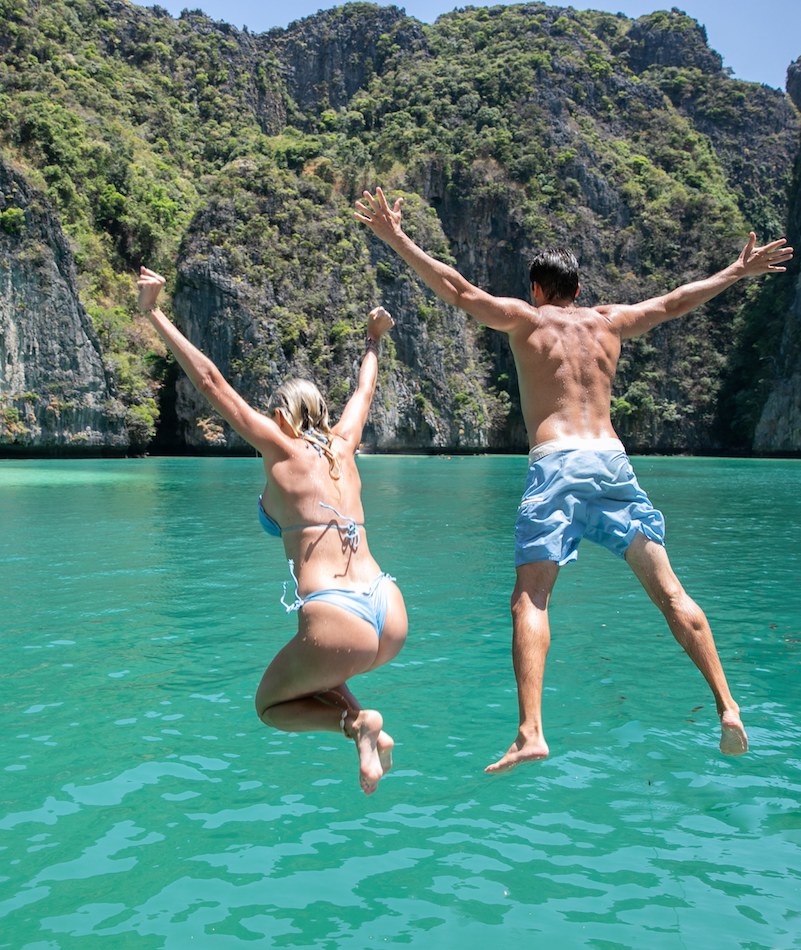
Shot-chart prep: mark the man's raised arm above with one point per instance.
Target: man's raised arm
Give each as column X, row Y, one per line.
column 633, row 319
column 499, row 313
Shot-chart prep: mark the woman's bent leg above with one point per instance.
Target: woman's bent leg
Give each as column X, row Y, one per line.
column 329, row 648
column 343, row 699
column 313, row 714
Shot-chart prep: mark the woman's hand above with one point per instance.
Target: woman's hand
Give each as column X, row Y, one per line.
column 379, row 322
column 149, row 286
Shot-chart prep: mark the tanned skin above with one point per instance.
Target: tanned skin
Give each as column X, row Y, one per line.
column 305, row 687
column 566, row 357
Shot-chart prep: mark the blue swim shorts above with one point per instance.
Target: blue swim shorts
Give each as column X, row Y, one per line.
column 581, row 488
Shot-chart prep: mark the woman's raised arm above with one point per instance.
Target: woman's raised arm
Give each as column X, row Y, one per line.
column 354, row 416
column 257, row 429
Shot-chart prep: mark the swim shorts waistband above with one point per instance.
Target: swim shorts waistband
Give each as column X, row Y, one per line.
column 569, row 443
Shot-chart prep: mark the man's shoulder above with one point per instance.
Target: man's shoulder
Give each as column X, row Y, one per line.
column 515, row 305
column 516, row 313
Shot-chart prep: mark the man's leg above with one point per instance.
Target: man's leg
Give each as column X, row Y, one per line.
column 689, row 626
column 531, row 637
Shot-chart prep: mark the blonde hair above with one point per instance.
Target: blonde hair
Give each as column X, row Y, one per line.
column 304, row 408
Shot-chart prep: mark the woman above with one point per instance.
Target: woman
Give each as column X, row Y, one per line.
column 351, row 616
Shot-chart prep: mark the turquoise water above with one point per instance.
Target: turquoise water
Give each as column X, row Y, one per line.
column 145, row 806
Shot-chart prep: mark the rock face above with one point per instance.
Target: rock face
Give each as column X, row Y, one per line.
column 263, row 316
column 655, row 41
column 329, row 57
column 55, row 394
column 230, row 162
column 779, row 427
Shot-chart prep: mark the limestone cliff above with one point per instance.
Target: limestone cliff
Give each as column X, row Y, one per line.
column 55, row 393
column 262, row 315
column 229, row 162
column 779, row 427
column 326, row 59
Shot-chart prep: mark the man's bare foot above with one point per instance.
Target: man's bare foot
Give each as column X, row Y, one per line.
column 733, row 739
column 385, row 745
column 365, row 730
column 522, row 750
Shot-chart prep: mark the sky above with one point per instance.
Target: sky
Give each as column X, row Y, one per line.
column 757, row 40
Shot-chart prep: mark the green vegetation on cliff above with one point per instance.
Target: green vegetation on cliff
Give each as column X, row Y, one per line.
column 230, row 162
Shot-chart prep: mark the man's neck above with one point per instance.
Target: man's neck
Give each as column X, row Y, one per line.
column 563, row 303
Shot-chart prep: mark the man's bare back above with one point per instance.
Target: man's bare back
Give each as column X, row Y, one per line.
column 566, row 358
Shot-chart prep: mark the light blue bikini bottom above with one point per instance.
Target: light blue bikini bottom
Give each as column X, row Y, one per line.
column 369, row 605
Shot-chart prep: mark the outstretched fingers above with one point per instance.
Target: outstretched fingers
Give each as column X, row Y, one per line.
column 374, row 208
column 383, row 204
column 367, row 206
column 766, row 259
column 777, row 252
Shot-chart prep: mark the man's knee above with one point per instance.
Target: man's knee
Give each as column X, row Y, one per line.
column 523, row 601
column 679, row 608
column 519, row 605
column 533, row 587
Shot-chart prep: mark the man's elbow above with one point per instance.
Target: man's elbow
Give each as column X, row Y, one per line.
column 450, row 293
column 208, row 382
column 464, row 299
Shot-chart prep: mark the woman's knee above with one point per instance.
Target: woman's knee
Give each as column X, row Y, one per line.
column 265, row 712
column 264, row 700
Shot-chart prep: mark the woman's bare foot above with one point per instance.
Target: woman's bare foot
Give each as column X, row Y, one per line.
column 365, row 730
column 385, row 745
column 733, row 738
column 521, row 750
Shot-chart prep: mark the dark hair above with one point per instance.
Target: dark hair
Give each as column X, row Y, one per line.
column 556, row 271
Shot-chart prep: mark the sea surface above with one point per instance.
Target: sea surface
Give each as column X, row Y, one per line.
column 143, row 804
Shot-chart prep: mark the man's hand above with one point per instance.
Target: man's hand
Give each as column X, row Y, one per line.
column 383, row 221
column 149, row 285
column 764, row 260
column 379, row 322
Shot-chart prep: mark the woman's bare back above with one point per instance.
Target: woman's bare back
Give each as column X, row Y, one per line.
column 328, row 551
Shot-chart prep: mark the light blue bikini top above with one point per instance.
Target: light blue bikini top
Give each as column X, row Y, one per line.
column 349, row 531
column 267, row 522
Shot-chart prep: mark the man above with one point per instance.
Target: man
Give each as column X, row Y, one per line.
column 580, row 482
